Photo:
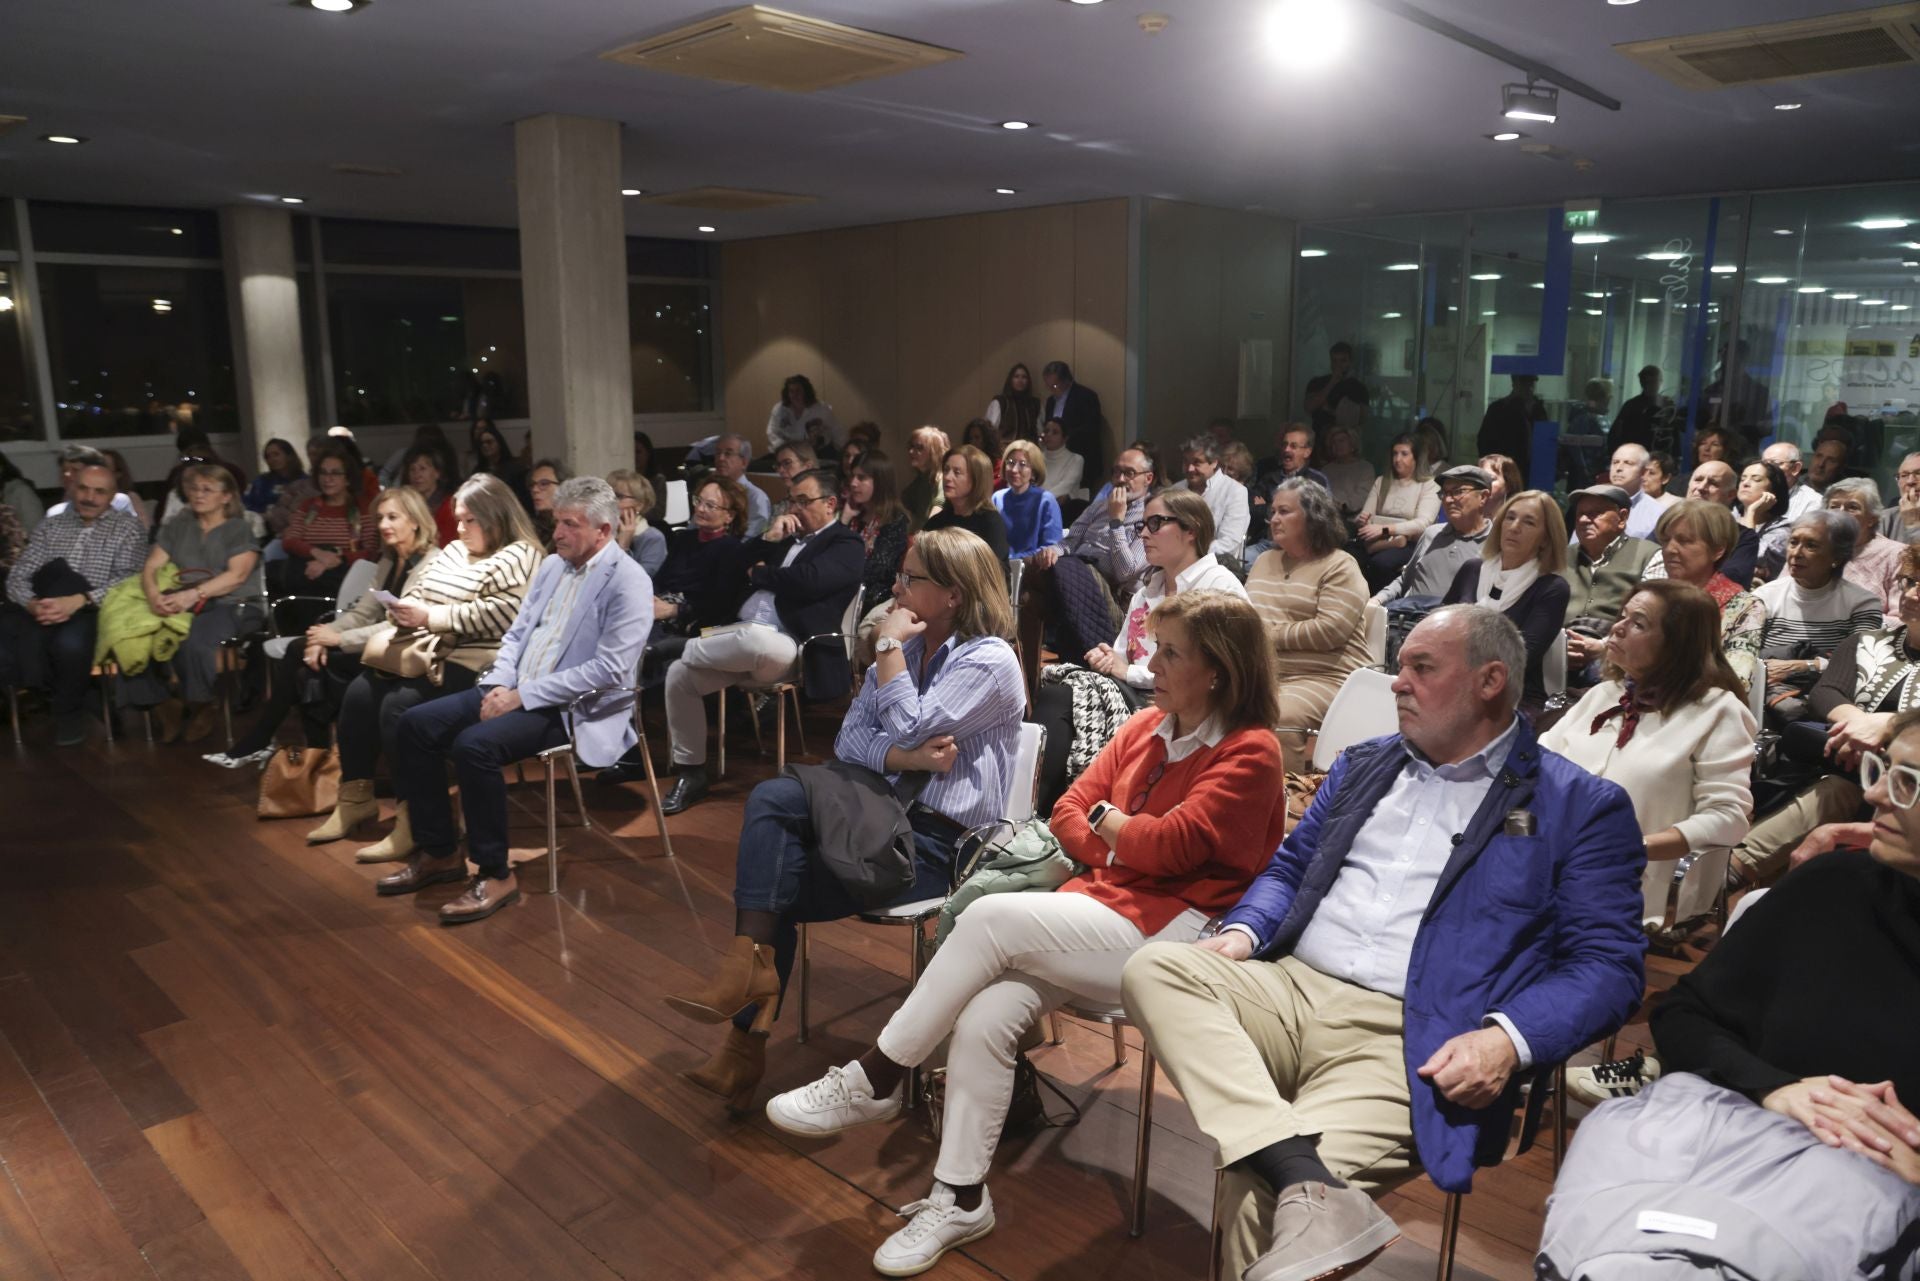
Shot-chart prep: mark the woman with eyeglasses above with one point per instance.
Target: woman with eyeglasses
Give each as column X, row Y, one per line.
column 966, row 482
column 942, row 699
column 1790, row 1063
column 703, row 580
column 1032, row 513
column 1875, row 563
column 328, row 532
column 1173, row 819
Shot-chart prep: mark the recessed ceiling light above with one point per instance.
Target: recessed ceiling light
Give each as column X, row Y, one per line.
column 6, row 302
column 1786, row 106
column 162, row 305
column 1595, row 311
column 1389, row 315
column 1083, row 1
column 1485, row 275
column 1783, row 231
column 292, row 200
column 1910, row 263
column 1649, row 301
column 1723, row 269
column 1663, row 255
column 1770, row 280
column 334, row 6
column 1313, row 253
column 1508, row 136
column 1811, row 289
column 1910, row 244
column 1881, row 224
column 1900, row 306
column 1016, row 124
column 705, row 229
column 1623, row 2
column 1536, row 285
column 1008, row 191
column 631, row 191
column 1844, row 297
column 1591, row 238
column 64, row 139
column 1451, row 307
column 178, row 231
column 1873, row 302
column 1596, row 293
column 1489, row 313
column 1403, row 266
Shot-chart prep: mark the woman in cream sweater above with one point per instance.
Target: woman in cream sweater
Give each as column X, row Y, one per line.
column 1671, row 725
column 1401, row 504
column 1312, row 598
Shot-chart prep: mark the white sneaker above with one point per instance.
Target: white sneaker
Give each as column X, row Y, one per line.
column 935, row 1226
column 1620, row 1079
column 225, row 761
column 838, row 1101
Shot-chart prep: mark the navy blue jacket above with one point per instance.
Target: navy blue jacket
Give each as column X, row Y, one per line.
column 1544, row 929
column 811, row 596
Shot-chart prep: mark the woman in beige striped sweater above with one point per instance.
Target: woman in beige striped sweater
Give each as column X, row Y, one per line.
column 1312, row 597
column 465, row 599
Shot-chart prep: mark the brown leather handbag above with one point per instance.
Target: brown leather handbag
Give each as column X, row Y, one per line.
column 404, row 652
column 300, row 781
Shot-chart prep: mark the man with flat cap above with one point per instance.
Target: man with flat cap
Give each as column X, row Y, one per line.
column 1443, row 548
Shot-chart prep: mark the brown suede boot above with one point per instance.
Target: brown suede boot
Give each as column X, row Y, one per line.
column 397, row 845
column 746, row 975
column 200, row 722
column 356, row 806
column 734, row 1072
column 170, row 714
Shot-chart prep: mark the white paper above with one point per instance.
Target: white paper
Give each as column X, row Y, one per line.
column 385, row 597
column 1684, row 1225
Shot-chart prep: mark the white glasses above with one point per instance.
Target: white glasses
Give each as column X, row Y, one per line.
column 1903, row 781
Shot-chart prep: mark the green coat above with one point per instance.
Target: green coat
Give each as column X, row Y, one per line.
column 130, row 632
column 1030, row 860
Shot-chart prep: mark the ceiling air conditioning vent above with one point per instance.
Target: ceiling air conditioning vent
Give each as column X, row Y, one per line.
column 365, row 171
column 774, row 50
column 726, row 199
column 1888, row 36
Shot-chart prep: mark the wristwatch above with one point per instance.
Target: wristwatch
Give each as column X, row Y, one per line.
column 1098, row 815
column 884, row 645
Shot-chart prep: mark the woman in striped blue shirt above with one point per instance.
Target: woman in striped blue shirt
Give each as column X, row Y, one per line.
column 945, row 697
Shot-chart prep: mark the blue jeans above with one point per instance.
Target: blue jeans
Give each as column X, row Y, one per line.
column 777, row 871
column 449, row 728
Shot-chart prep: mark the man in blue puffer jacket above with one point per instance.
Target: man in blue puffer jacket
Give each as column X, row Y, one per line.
column 1457, row 910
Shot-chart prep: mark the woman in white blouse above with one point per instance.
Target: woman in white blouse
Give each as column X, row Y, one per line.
column 1064, row 467
column 1400, row 505
column 1671, row 726
column 1350, row 475
column 801, row 417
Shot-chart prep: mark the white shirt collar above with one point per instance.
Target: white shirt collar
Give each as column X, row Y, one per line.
column 1484, row 763
column 1207, row 733
column 1195, row 572
column 594, row 559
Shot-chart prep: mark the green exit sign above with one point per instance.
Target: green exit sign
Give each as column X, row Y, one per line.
column 1582, row 219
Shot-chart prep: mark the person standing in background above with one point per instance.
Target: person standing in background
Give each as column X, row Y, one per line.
column 1078, row 409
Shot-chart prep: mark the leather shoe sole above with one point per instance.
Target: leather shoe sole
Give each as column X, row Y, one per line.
column 388, row 886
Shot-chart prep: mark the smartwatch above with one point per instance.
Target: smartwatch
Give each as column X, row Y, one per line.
column 1098, row 814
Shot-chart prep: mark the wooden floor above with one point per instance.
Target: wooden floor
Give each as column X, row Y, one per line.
column 222, row 1056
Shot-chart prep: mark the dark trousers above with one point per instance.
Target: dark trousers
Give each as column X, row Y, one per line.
column 370, row 713
column 776, row 870
column 316, row 694
column 1383, row 566
column 57, row 658
column 450, row 729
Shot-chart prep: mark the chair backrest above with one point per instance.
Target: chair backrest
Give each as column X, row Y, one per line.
column 679, row 509
column 1553, row 666
column 850, row 621
column 1374, row 621
column 1026, row 772
column 359, row 578
column 1757, row 694
column 1363, row 709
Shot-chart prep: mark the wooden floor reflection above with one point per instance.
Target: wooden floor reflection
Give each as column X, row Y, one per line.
column 222, row 1056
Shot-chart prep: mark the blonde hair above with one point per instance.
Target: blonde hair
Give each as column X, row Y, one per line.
column 215, row 472
column 1709, row 521
column 934, row 441
column 628, row 483
column 1237, row 460
column 1035, row 456
column 1553, row 540
column 961, row 561
column 979, row 473
column 498, row 513
column 426, row 532
column 1233, row 641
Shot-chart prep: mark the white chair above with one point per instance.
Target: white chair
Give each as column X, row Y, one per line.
column 567, row 754
column 1363, row 709
column 679, row 508
column 788, row 691
column 1373, row 621
column 1553, row 669
column 915, row 916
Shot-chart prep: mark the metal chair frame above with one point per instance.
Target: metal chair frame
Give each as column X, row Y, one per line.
column 1116, row 1020
column 783, row 690
column 104, row 672
column 567, row 753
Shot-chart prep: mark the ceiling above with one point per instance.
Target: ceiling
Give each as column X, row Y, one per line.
column 201, row 103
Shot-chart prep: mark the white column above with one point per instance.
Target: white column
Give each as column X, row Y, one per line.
column 573, row 279
column 263, row 303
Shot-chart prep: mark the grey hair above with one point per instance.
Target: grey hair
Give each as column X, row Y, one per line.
column 1326, row 530
column 85, row 455
column 1792, row 451
column 591, row 495
column 1843, row 533
column 1491, row 637
column 743, row 442
column 1641, row 450
column 1862, row 488
column 1205, row 446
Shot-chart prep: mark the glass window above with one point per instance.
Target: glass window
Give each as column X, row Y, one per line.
column 650, row 256
column 118, row 229
column 137, row 350
column 16, row 393
column 670, row 328
column 409, row 349
column 345, row 241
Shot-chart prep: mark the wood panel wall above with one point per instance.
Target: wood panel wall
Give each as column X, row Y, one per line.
column 917, row 322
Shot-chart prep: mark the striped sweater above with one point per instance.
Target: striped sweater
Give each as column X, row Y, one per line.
column 1314, row 611
column 1803, row 623
column 341, row 529
column 475, row 601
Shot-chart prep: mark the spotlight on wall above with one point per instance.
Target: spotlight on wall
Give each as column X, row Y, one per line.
column 1530, row 102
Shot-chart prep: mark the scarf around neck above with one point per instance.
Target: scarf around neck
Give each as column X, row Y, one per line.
column 1500, row 588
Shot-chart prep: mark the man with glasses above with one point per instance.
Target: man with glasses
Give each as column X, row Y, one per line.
column 1293, row 452
column 730, row 458
column 1445, row 547
column 1901, row 520
column 543, row 482
column 1801, row 497
column 804, row 570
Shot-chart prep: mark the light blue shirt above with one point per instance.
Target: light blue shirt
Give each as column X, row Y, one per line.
column 1644, row 512
column 759, row 508
column 543, row 649
column 759, row 607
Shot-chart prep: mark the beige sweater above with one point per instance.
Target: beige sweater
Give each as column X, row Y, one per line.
column 1314, row 611
column 473, row 601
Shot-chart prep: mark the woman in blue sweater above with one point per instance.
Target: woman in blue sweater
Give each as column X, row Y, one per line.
column 1032, row 514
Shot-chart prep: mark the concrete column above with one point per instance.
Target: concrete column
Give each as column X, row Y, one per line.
column 573, row 279
column 263, row 303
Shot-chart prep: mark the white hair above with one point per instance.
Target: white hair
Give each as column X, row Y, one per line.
column 591, row 495
column 1789, row 452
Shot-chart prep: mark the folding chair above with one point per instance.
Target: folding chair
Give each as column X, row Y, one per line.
column 567, row 754
column 787, row 690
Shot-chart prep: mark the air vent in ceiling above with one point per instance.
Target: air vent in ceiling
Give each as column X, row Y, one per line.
column 8, row 122
column 726, row 199
column 365, row 171
column 1887, row 36
column 774, row 50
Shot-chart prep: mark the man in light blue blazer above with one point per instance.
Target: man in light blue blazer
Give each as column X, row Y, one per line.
column 582, row 626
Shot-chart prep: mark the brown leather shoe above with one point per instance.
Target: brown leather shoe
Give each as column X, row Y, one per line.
column 200, row 722
column 483, row 898
column 421, row 871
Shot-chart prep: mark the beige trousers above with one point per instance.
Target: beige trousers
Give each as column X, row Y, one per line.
column 1270, row 1050
column 1770, row 841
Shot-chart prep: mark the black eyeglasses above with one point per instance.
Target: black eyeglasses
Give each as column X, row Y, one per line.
column 907, row 578
column 807, row 502
column 1154, row 524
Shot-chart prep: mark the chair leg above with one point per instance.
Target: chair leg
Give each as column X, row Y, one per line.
column 13, row 711
column 720, row 733
column 1119, row 1045
column 106, row 705
column 779, row 733
column 806, row 972
column 915, row 958
column 799, row 729
column 653, row 786
column 1449, row 1237
column 1059, row 1032
column 553, row 835
column 1213, row 1227
column 1140, row 1144
column 226, row 706
column 579, row 801
column 1560, row 1102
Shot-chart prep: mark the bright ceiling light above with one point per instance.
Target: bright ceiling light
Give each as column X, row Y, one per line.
column 1811, row 289
column 1783, row 231
column 1786, row 106
column 708, row 230
column 1769, row 280
column 1530, row 102
column 1622, row 2
column 1873, row 302
column 64, row 139
column 1485, row 275
column 1910, row 244
column 1881, row 224
column 1596, row 293
column 1591, row 238
column 1083, row 1
column 1489, row 313
column 178, row 231
column 1009, row 191
column 1595, row 311
column 1510, row 135
column 1845, row 297
column 630, row 191
column 1389, row 315
column 1723, row 269
column 1900, row 306
column 1403, row 266
column 1016, row 125
column 334, row 6
column 1663, row 255
column 292, row 200
column 1649, row 301
column 6, row 302
column 162, row 305
column 1313, row 253
column 1537, row 285
column 1307, row 33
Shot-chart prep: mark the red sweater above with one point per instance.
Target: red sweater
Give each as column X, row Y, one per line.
column 315, row 525
column 1210, row 824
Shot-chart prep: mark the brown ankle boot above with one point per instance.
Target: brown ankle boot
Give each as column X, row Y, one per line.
column 734, row 1072
column 200, row 721
column 745, row 976
column 170, row 714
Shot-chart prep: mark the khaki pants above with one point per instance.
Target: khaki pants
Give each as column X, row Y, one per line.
column 1270, row 1050
column 745, row 653
column 1764, row 853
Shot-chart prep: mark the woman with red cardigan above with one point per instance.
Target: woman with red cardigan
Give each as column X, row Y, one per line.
column 1174, row 819
column 328, row 532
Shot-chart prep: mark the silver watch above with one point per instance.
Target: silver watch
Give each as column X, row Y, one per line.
column 884, row 645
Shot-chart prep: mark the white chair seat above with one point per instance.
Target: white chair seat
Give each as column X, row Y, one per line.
column 276, row 649
column 903, row 913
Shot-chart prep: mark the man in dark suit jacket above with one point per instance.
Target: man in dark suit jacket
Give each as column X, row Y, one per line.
column 1507, row 427
column 802, row 572
column 1078, row 409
